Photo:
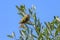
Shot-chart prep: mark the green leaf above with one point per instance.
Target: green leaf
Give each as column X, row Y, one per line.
column 22, row 8
column 24, row 31
column 56, row 33
column 35, row 19
column 30, row 37
column 46, row 32
column 39, row 24
column 21, row 38
column 38, row 29
column 30, row 11
column 13, row 34
column 47, row 25
column 10, row 36
column 58, row 28
column 40, row 36
column 51, row 25
column 33, row 7
column 55, row 17
column 18, row 8
column 58, row 38
column 34, row 36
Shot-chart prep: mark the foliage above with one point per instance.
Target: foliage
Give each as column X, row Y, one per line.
column 32, row 29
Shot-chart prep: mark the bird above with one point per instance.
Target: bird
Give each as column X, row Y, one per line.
column 25, row 19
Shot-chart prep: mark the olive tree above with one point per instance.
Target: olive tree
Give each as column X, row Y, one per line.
column 32, row 28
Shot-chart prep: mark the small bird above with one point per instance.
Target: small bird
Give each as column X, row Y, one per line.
column 25, row 19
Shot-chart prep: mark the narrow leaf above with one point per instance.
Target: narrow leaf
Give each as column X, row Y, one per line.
column 10, row 36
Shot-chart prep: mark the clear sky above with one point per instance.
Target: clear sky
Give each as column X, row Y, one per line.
column 9, row 18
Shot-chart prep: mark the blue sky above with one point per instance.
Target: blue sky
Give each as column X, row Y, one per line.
column 9, row 18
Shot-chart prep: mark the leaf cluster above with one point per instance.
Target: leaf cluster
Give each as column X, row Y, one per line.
column 48, row 31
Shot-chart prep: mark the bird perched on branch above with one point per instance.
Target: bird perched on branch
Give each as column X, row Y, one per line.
column 25, row 19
